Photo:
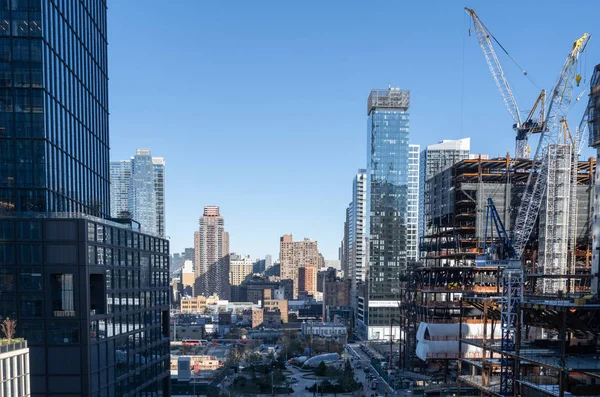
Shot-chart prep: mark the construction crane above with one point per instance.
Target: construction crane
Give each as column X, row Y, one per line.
column 543, row 171
column 531, row 124
column 498, row 253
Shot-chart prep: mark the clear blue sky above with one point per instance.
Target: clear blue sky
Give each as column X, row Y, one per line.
column 260, row 106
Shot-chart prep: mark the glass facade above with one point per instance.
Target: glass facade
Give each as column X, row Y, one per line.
column 138, row 191
column 387, row 201
column 54, row 150
column 95, row 295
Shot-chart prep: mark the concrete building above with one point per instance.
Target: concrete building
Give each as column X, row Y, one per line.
column 336, row 293
column 295, row 254
column 138, row 191
column 324, row 329
column 387, row 195
column 268, row 262
column 594, row 141
column 14, row 369
column 211, row 248
column 240, row 268
column 307, row 279
column 434, row 159
column 272, row 303
column 412, row 236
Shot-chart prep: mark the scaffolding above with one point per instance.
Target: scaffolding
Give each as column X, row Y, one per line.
column 555, row 351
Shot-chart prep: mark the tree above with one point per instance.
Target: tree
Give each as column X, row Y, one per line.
column 9, row 328
column 321, row 369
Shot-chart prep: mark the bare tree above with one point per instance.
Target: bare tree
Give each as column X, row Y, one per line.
column 9, row 328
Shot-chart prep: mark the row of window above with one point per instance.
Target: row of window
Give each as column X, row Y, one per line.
column 124, row 238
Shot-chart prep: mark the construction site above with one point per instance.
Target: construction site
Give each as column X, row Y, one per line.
column 504, row 298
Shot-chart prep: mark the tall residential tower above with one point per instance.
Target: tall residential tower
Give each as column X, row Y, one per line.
column 387, row 204
column 357, row 241
column 138, row 191
column 211, row 248
column 296, row 254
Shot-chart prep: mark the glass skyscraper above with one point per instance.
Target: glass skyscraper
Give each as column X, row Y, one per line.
column 387, row 205
column 138, row 191
column 54, row 147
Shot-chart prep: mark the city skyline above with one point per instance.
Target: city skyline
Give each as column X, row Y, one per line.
column 329, row 70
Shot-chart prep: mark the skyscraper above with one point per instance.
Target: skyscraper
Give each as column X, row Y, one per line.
column 387, row 191
column 434, row 159
column 295, row 254
column 357, row 236
column 54, row 135
column 412, row 222
column 211, row 247
column 138, row 190
column 90, row 296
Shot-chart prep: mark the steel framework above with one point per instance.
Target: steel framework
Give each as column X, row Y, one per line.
column 512, row 295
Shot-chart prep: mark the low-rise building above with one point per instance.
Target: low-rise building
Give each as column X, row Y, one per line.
column 14, row 369
column 198, row 363
column 324, row 329
column 280, row 305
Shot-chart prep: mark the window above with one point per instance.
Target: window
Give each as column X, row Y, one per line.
column 31, row 305
column 63, row 332
column 30, row 279
column 29, row 230
column 61, row 286
column 7, row 279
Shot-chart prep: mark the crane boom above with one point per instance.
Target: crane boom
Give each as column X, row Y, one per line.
column 483, row 35
column 536, row 183
column 523, row 128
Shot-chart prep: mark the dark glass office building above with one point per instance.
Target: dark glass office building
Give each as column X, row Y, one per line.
column 54, row 150
column 91, row 296
column 387, row 207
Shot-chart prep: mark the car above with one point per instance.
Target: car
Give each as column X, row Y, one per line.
column 366, row 370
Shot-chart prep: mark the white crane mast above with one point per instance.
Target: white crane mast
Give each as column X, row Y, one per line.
column 547, row 176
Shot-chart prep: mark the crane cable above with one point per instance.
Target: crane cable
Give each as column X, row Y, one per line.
column 525, row 73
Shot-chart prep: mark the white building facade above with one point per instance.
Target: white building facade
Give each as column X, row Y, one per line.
column 412, row 220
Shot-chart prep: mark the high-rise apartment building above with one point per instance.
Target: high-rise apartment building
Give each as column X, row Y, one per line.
column 434, row 159
column 138, row 191
column 345, row 258
column 387, row 204
column 357, row 250
column 412, row 220
column 120, row 179
column 295, row 254
column 211, row 248
column 90, row 296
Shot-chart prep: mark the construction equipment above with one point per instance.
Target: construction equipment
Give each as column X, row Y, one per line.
column 525, row 128
column 545, row 174
column 499, row 252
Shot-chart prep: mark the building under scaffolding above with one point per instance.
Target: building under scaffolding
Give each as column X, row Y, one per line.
column 455, row 211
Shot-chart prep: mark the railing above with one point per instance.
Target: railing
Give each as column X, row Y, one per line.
column 12, row 346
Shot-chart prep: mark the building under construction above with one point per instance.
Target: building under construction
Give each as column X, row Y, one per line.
column 455, row 211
